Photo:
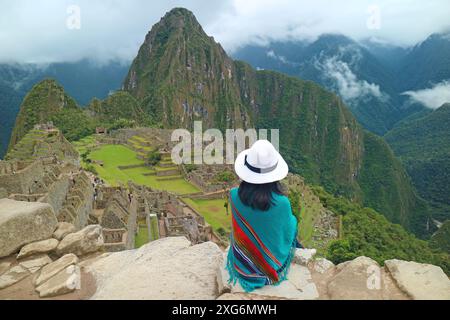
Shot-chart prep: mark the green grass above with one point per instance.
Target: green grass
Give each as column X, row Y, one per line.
column 157, row 168
column 154, row 226
column 84, row 144
column 213, row 211
column 138, row 138
column 141, row 237
column 114, row 156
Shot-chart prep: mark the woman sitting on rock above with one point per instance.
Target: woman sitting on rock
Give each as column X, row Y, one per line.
column 264, row 230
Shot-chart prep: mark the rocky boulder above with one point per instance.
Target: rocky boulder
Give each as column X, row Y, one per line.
column 356, row 279
column 24, row 222
column 54, row 268
column 322, row 265
column 12, row 276
column 87, row 240
column 65, row 281
column 168, row 268
column 4, row 266
column 420, row 281
column 43, row 246
column 33, row 264
column 63, row 229
column 304, row 256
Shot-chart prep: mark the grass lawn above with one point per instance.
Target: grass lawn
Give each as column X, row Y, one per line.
column 82, row 145
column 213, row 211
column 141, row 237
column 114, row 156
column 306, row 229
column 155, row 228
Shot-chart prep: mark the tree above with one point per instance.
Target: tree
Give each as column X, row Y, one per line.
column 153, row 157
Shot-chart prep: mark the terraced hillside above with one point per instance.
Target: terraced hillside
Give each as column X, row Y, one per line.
column 41, row 144
column 120, row 163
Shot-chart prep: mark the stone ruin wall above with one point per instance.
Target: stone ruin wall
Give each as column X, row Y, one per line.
column 132, row 224
column 22, row 180
column 57, row 193
column 115, row 239
column 79, row 204
column 119, row 219
column 204, row 177
column 43, row 180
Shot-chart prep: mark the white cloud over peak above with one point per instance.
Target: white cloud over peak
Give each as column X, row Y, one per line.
column 342, row 75
column 433, row 97
column 35, row 31
column 347, row 83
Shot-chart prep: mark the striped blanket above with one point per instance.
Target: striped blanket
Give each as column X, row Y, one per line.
column 250, row 260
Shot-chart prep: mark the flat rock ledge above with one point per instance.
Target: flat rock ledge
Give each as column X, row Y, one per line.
column 168, row 268
column 362, row 278
column 171, row 268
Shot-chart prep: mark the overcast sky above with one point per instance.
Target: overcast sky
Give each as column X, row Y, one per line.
column 37, row 30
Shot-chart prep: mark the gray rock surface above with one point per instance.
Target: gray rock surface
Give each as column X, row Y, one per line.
column 168, row 268
column 322, row 265
column 419, row 280
column 87, row 240
column 65, row 281
column 63, row 229
column 4, row 266
column 35, row 263
column 22, row 223
column 43, row 246
column 357, row 279
column 12, row 276
column 54, row 268
column 304, row 256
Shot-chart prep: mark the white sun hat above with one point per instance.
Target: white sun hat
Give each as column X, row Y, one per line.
column 261, row 164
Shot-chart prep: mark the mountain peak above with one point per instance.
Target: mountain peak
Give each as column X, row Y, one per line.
column 44, row 100
column 177, row 19
column 179, row 12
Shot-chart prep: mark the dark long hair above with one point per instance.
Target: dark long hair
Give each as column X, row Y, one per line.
column 259, row 196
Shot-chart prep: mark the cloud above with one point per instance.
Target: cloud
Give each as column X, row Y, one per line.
column 271, row 54
column 346, row 83
column 433, row 97
column 36, row 31
column 401, row 22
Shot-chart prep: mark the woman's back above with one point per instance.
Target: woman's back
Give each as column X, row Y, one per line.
column 264, row 231
column 272, row 223
column 262, row 242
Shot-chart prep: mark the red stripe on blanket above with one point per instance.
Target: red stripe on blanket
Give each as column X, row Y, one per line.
column 255, row 235
column 248, row 245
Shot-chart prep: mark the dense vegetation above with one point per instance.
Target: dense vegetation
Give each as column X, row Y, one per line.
column 441, row 239
column 423, row 145
column 46, row 99
column 368, row 233
column 117, row 106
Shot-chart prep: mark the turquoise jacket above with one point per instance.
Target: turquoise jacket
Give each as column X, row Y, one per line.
column 277, row 232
